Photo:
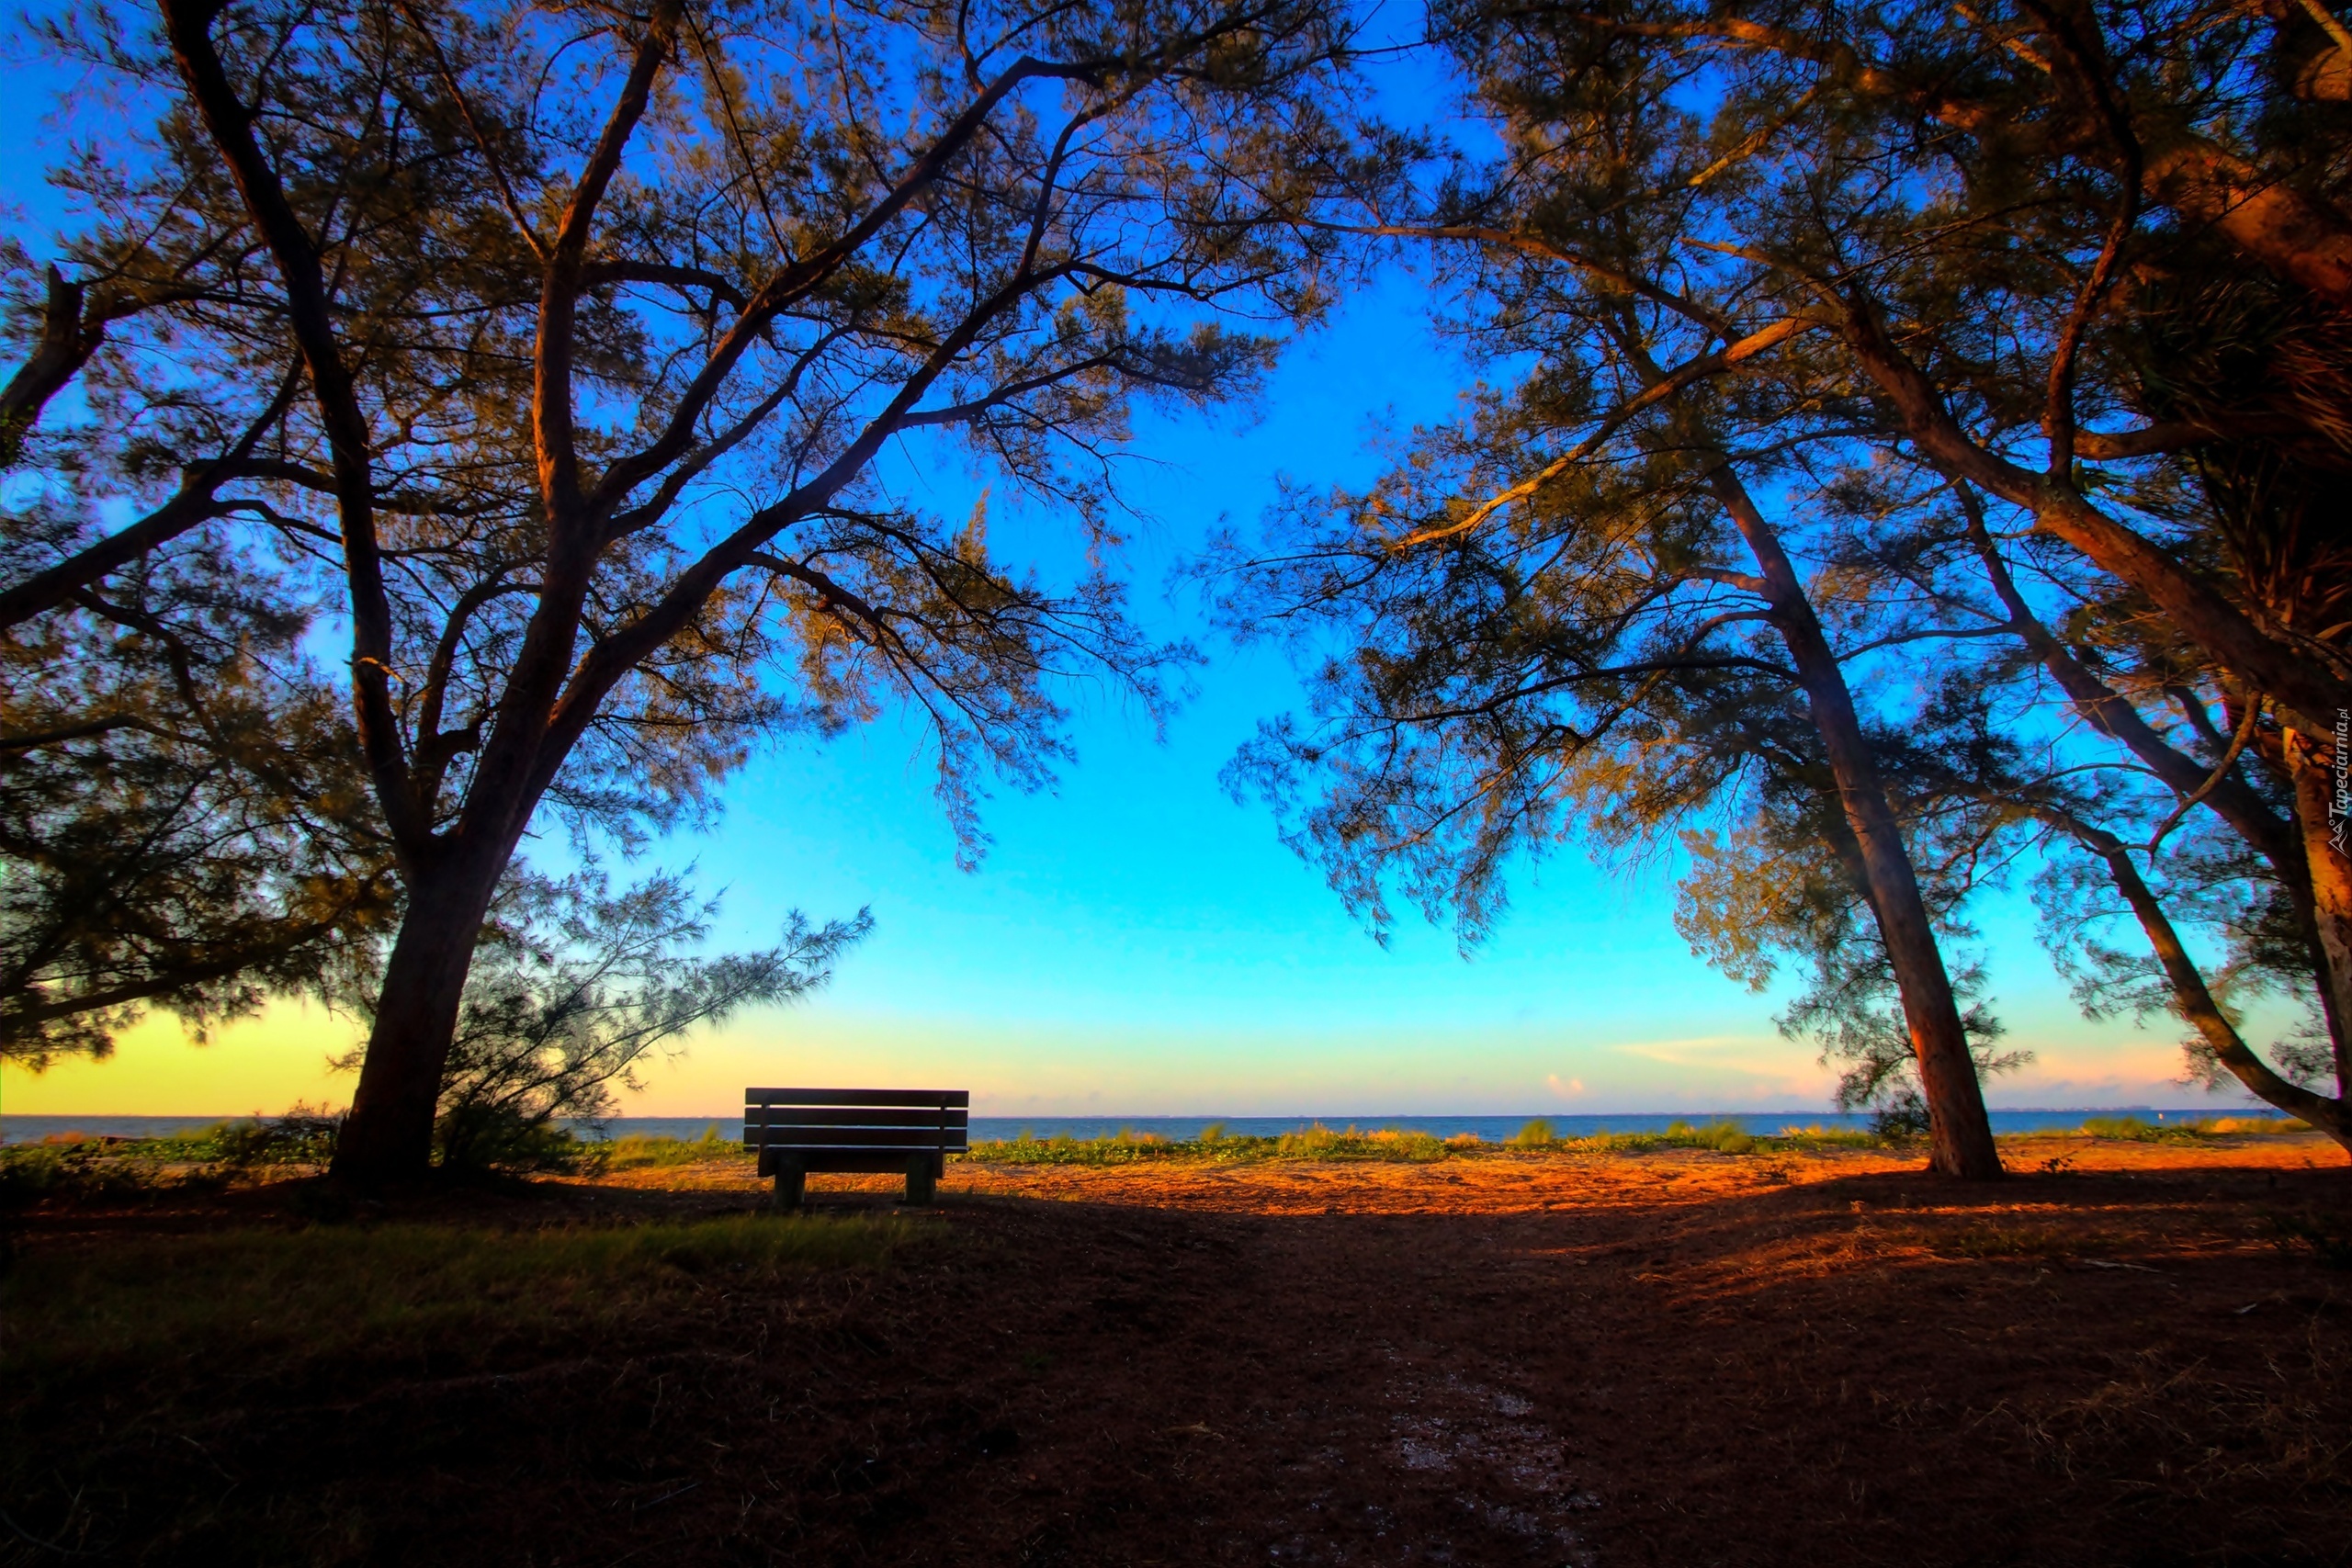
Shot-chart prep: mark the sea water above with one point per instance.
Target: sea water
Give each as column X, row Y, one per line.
column 1176, row 1129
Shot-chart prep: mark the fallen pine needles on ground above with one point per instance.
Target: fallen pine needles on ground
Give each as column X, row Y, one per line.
column 132, row 1368
column 1513, row 1357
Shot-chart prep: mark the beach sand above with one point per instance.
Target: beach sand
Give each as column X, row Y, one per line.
column 2127, row 1353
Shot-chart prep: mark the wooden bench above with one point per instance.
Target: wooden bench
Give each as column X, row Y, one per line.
column 796, row 1131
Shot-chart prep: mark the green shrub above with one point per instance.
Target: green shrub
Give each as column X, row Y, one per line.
column 28, row 1172
column 1063, row 1149
column 1601, row 1141
column 1319, row 1142
column 1901, row 1119
column 109, row 1170
column 2129, row 1127
column 90, row 1170
column 1819, row 1136
column 300, row 1137
column 477, row 1136
column 1724, row 1137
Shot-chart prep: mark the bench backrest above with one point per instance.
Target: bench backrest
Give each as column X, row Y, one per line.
column 857, row 1120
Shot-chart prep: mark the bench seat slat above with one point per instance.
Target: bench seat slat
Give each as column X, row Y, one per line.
column 851, row 1137
column 795, row 1116
column 852, row 1162
column 949, row 1099
column 857, row 1138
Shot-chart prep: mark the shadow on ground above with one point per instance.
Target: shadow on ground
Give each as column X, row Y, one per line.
column 2143, row 1367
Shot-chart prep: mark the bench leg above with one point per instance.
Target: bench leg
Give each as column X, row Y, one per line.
column 791, row 1183
column 920, row 1187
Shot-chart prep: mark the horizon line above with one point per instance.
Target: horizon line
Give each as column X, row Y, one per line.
column 1156, row 1115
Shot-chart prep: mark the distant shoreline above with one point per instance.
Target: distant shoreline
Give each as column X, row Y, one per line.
column 16, row 1128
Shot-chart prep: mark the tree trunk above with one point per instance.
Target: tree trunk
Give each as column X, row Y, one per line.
column 2194, row 999
column 2312, row 766
column 1960, row 1134
column 2291, row 846
column 387, row 1138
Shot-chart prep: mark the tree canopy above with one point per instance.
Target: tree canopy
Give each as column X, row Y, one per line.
column 593, row 327
column 1983, row 323
column 1916, row 452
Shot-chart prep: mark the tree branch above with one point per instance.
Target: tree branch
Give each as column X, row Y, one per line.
column 187, row 24
column 1674, row 382
column 69, row 336
column 2058, row 508
column 192, row 504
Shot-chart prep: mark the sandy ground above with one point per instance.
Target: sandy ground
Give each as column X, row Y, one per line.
column 1508, row 1184
column 1688, row 1357
column 2120, row 1356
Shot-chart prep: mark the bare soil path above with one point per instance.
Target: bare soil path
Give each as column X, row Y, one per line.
column 1671, row 1359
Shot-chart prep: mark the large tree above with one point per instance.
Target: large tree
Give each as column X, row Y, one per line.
column 2085, row 261
column 2088, row 265
column 605, row 325
column 2080, row 269
column 1583, row 605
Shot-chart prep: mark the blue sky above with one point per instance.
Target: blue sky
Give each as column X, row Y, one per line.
column 1138, row 943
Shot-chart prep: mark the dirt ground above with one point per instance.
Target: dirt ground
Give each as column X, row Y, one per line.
column 2120, row 1356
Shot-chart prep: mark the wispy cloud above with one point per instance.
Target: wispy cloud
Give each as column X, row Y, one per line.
column 1708, row 1050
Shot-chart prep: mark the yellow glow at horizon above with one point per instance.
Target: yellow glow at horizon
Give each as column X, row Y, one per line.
column 264, row 1063
column 269, row 1063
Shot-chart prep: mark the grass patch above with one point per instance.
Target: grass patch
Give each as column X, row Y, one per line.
column 259, row 1296
column 296, row 1396
column 80, row 1167
column 1126, row 1147
column 1319, row 1142
column 71, row 1168
column 638, row 1153
column 1725, row 1137
column 2134, row 1130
